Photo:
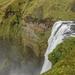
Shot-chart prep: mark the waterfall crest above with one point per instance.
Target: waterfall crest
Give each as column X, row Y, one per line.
column 61, row 30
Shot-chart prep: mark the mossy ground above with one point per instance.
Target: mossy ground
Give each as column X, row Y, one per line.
column 10, row 26
column 50, row 8
column 44, row 8
column 62, row 58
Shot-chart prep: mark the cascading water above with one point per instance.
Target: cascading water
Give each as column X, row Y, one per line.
column 60, row 31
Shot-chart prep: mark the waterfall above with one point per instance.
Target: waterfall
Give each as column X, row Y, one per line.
column 60, row 31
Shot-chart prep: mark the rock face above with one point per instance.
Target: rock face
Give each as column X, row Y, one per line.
column 32, row 31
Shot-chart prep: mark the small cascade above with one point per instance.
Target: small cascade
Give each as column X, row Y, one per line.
column 61, row 30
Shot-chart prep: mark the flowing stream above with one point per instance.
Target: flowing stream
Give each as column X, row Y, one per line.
column 15, row 61
column 60, row 31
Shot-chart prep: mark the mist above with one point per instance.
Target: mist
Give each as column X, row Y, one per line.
column 13, row 60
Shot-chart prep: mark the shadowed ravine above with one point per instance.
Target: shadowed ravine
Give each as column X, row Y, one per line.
column 13, row 61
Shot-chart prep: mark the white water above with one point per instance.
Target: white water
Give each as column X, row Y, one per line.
column 60, row 31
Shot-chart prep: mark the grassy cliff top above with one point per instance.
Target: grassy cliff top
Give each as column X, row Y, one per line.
column 55, row 9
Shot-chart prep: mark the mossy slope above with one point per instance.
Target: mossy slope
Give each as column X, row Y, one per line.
column 56, row 9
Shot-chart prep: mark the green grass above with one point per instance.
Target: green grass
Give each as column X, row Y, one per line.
column 3, row 5
column 10, row 28
column 1, row 1
column 51, row 8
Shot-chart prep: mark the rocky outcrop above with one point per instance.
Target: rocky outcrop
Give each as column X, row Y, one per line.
column 33, row 29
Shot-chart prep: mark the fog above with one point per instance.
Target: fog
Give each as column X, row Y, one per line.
column 13, row 60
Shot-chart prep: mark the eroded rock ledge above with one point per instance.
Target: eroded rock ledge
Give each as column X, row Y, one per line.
column 34, row 29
